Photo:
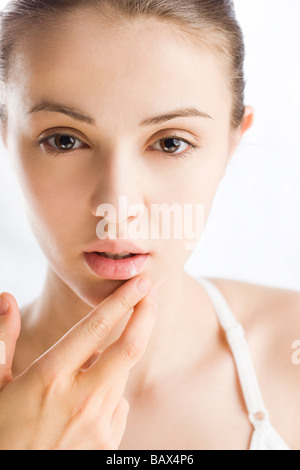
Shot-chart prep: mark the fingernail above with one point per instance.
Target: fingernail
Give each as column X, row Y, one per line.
column 144, row 285
column 4, row 306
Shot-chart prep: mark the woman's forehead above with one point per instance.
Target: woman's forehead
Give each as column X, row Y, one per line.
column 139, row 65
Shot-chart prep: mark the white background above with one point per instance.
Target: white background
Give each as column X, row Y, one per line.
column 253, row 232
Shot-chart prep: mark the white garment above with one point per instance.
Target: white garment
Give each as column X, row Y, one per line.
column 264, row 436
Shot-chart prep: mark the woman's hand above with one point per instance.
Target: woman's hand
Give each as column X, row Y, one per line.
column 58, row 403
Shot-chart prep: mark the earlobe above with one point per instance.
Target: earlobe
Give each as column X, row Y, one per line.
column 238, row 133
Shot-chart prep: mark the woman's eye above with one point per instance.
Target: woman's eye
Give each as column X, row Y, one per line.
column 170, row 147
column 61, row 143
column 174, row 146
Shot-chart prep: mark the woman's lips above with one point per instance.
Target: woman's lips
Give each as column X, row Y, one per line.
column 115, row 269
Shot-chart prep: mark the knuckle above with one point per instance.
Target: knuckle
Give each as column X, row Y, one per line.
column 131, row 350
column 80, row 407
column 99, row 328
column 124, row 303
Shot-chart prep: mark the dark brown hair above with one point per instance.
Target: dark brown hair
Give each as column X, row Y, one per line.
column 210, row 23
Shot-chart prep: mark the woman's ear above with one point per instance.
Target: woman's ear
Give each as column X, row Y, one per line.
column 238, row 133
column 247, row 120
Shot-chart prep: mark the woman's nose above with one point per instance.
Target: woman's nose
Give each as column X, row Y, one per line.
column 118, row 189
column 117, row 221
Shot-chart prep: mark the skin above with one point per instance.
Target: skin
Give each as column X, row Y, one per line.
column 152, row 72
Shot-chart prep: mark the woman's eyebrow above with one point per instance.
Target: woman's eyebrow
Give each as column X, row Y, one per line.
column 49, row 106
column 181, row 112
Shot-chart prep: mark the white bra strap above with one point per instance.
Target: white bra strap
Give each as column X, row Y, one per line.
column 236, row 338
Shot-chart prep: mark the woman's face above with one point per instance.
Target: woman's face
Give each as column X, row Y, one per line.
column 119, row 76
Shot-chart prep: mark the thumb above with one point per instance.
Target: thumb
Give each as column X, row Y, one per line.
column 10, row 325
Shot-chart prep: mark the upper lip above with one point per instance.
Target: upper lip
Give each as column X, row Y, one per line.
column 115, row 246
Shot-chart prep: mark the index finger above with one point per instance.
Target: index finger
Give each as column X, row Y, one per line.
column 83, row 340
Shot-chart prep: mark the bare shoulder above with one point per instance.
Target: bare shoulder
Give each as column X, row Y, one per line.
column 271, row 320
column 253, row 301
column 270, row 315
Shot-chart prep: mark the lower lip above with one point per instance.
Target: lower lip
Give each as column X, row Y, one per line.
column 115, row 269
